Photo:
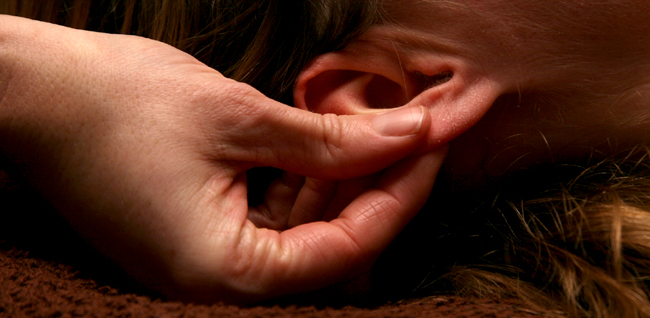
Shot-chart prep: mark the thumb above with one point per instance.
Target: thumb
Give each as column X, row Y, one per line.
column 326, row 146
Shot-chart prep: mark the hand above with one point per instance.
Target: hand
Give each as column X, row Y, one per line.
column 144, row 150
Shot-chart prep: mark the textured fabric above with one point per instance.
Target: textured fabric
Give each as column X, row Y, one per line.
column 43, row 273
column 33, row 287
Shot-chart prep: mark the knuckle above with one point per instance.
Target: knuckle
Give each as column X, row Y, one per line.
column 237, row 96
column 230, row 108
column 332, row 136
column 226, row 94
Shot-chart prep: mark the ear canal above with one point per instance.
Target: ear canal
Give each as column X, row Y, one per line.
column 351, row 92
column 384, row 93
column 358, row 81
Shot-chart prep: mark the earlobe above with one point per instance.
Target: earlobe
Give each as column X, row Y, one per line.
column 363, row 80
column 457, row 104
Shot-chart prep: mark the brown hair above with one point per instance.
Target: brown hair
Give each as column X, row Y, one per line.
column 577, row 239
column 264, row 43
column 572, row 237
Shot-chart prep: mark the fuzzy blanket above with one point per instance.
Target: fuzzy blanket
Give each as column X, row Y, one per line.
column 42, row 274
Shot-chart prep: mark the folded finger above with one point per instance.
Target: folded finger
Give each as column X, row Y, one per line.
column 312, row 201
column 279, row 200
column 316, row 254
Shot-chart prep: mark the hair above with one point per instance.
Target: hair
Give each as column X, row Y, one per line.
column 264, row 43
column 577, row 239
column 571, row 237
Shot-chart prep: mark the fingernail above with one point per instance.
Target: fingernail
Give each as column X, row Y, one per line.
column 401, row 122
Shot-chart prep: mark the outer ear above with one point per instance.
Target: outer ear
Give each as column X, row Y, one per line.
column 361, row 79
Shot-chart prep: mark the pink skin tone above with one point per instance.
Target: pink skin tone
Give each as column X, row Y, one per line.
column 147, row 160
column 144, row 150
column 532, row 80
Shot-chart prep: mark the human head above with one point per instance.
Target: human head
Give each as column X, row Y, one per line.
column 541, row 69
column 512, row 83
column 520, row 75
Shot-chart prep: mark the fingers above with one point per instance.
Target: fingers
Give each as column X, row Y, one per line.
column 293, row 200
column 316, row 254
column 312, row 201
column 347, row 192
column 321, row 146
column 279, row 200
column 292, row 203
column 376, row 217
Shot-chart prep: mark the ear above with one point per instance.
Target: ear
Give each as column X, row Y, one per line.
column 359, row 80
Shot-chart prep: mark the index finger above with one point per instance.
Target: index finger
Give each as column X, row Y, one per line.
column 317, row 254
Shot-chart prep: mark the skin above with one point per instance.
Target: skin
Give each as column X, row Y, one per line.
column 144, row 151
column 577, row 88
column 573, row 88
column 532, row 81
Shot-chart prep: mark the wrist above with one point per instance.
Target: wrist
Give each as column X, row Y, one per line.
column 38, row 73
column 10, row 29
column 21, row 71
column 12, row 32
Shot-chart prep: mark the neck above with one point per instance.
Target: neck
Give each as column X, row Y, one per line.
column 581, row 86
